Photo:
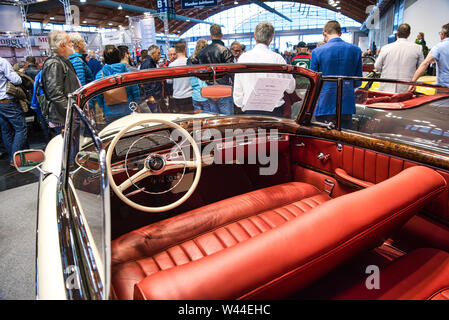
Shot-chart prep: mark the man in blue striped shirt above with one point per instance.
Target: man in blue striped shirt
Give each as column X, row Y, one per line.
column 440, row 55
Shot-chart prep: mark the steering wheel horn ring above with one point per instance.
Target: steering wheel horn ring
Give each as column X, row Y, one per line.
column 155, row 164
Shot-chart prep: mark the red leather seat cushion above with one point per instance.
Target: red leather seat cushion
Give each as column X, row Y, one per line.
column 399, row 97
column 420, row 275
column 187, row 237
column 377, row 100
column 289, row 257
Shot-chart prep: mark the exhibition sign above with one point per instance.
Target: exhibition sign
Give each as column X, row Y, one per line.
column 191, row 4
column 166, row 6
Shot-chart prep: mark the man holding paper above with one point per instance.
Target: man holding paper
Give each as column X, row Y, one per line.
column 262, row 93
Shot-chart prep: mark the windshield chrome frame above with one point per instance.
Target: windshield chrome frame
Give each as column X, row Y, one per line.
column 75, row 246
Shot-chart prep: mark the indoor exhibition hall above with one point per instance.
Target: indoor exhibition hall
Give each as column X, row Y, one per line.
column 206, row 151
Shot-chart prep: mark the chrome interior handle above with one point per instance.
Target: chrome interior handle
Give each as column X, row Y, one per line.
column 323, row 157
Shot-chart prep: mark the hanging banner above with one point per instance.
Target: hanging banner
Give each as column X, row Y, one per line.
column 112, row 37
column 136, row 32
column 93, row 40
column 12, row 42
column 148, row 31
column 191, row 4
column 10, row 19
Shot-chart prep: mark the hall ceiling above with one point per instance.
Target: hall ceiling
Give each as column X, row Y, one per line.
column 93, row 14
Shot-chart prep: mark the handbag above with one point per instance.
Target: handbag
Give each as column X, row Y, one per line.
column 115, row 96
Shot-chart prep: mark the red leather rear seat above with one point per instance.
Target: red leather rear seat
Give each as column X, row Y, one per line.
column 264, row 244
column 420, row 275
column 150, row 249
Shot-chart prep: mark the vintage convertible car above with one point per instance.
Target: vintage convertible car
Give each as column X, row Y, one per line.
column 260, row 205
column 420, row 118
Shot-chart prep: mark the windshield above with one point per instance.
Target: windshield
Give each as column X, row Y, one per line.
column 276, row 94
column 413, row 115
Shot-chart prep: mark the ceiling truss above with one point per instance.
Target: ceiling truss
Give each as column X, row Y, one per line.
column 94, row 14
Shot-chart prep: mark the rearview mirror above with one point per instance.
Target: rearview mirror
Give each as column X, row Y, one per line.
column 216, row 92
column 27, row 160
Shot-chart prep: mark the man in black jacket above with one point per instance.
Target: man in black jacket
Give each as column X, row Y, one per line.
column 58, row 79
column 153, row 90
column 215, row 53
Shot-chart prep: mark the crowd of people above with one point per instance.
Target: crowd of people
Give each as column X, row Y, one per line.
column 71, row 66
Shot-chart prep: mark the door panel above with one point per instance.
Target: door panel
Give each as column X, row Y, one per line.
column 306, row 151
column 362, row 164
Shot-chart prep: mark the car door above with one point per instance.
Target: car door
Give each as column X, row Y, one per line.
column 83, row 213
column 342, row 161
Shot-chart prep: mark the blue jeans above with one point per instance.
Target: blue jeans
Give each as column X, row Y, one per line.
column 58, row 130
column 13, row 127
column 43, row 124
column 223, row 106
column 201, row 105
column 2, row 147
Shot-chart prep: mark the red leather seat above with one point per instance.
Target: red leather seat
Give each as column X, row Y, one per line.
column 420, row 275
column 265, row 244
column 151, row 249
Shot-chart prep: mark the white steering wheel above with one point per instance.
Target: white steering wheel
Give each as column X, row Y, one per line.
column 155, row 164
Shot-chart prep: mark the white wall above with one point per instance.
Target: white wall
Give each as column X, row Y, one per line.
column 428, row 17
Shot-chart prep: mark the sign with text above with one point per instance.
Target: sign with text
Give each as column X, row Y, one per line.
column 165, row 6
column 112, row 37
column 190, row 4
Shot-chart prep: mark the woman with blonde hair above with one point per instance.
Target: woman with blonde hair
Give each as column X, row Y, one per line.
column 200, row 104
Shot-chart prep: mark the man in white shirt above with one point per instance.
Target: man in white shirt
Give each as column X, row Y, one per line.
column 245, row 82
column 182, row 89
column 399, row 60
column 12, row 118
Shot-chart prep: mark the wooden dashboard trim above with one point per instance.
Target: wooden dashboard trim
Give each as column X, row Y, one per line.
column 223, row 123
column 428, row 157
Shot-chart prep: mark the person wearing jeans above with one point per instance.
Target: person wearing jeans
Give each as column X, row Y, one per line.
column 13, row 126
column 222, row 106
column 12, row 117
column 216, row 52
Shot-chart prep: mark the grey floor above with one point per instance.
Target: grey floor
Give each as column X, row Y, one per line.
column 17, row 242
